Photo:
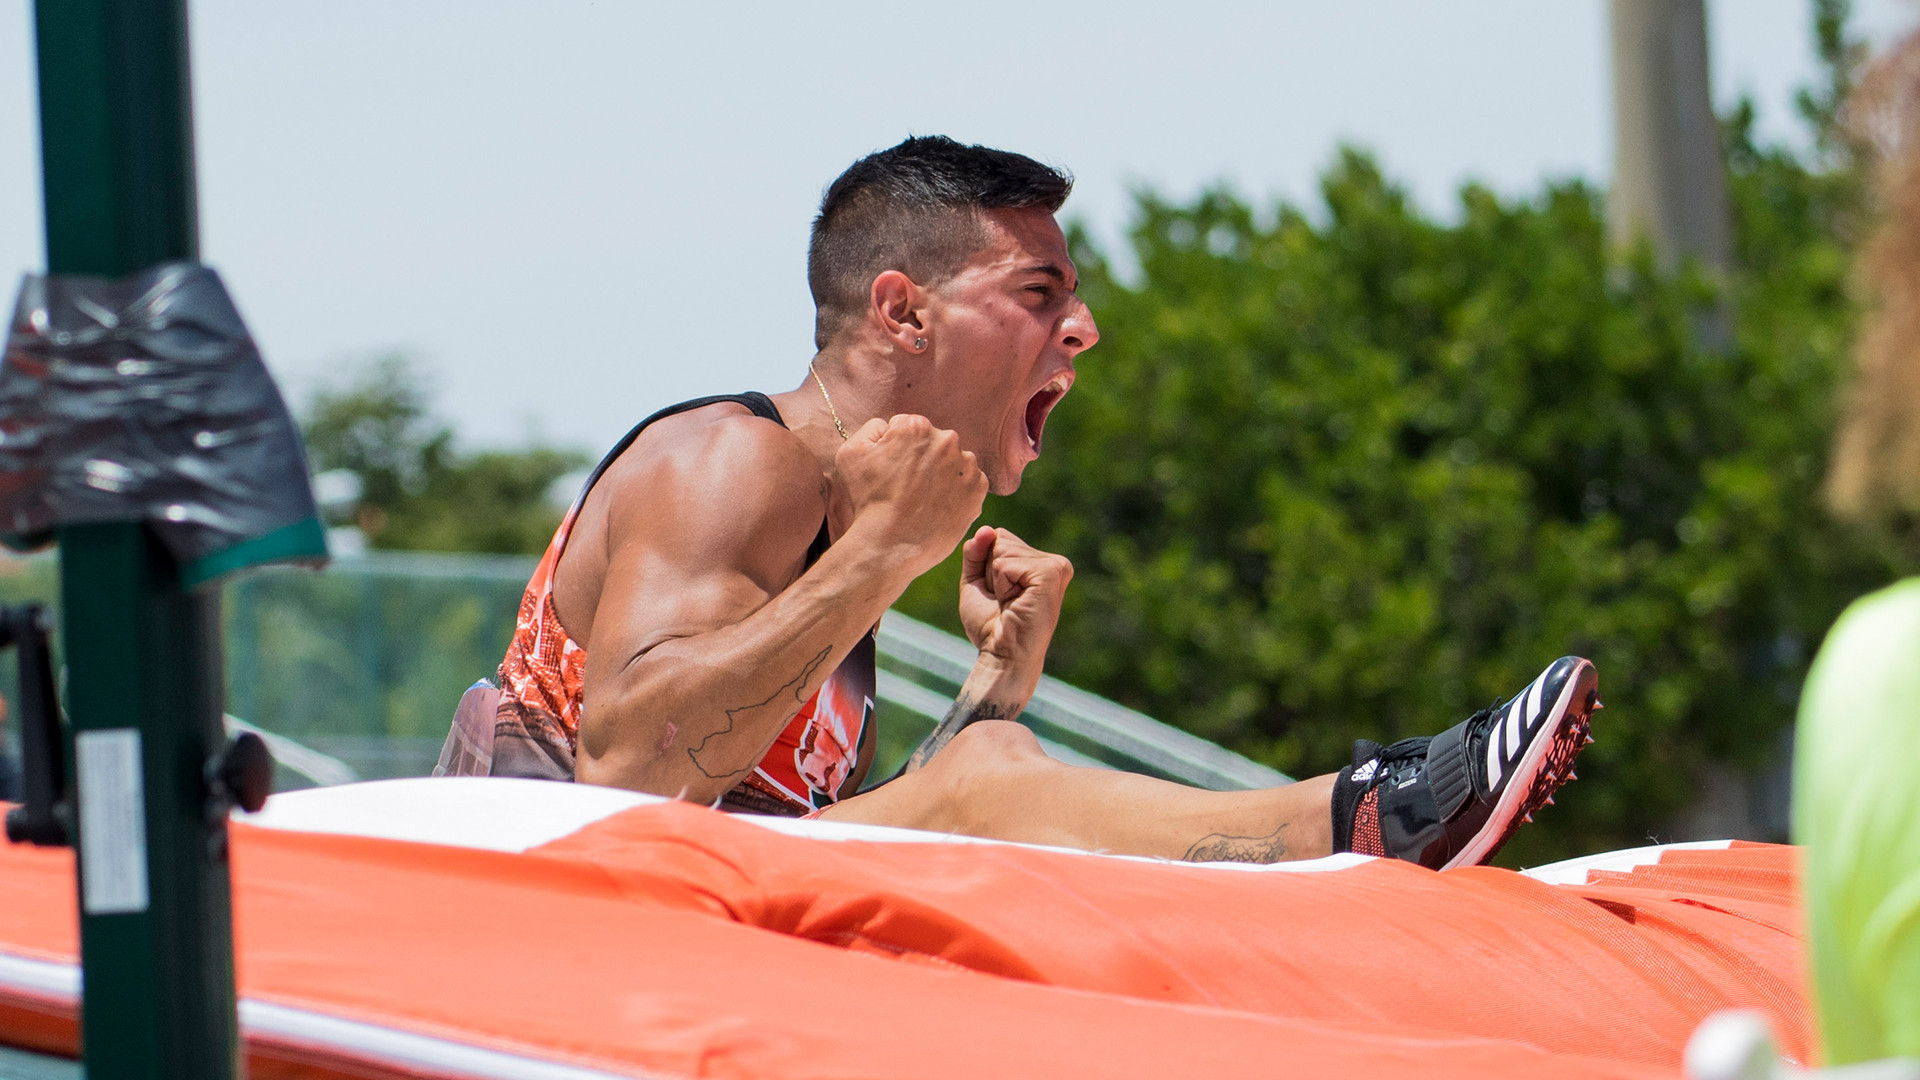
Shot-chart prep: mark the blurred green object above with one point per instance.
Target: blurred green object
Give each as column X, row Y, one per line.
column 1857, row 811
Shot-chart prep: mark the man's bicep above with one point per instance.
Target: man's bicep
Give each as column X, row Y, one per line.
column 687, row 562
column 648, row 601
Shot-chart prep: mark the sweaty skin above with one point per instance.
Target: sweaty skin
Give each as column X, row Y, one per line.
column 686, row 577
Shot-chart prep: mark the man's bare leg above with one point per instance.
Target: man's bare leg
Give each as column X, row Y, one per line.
column 993, row 780
column 1450, row 800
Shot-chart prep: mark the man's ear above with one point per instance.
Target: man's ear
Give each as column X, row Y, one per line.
column 900, row 307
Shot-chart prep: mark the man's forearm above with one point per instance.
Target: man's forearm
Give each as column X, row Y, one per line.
column 693, row 715
column 991, row 692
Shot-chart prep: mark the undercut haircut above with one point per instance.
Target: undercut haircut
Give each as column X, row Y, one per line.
column 917, row 208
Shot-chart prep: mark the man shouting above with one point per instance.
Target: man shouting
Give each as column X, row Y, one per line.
column 702, row 624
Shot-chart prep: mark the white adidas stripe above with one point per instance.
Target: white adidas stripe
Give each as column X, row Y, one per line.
column 1512, row 743
column 1504, row 741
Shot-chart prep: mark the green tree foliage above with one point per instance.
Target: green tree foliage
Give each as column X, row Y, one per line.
column 418, row 491
column 1358, row 473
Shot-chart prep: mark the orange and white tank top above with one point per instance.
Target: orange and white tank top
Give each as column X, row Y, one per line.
column 820, row 757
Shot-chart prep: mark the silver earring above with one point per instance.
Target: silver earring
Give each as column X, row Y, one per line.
column 919, row 343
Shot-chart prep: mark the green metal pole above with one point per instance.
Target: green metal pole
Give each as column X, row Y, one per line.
column 144, row 688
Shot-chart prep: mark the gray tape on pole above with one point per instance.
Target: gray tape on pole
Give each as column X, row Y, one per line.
column 145, row 399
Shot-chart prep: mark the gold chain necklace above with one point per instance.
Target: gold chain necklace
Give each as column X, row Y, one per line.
column 831, row 411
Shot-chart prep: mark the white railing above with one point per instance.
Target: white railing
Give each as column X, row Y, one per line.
column 1069, row 720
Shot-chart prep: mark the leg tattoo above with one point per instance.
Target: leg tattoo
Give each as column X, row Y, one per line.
column 1223, row 847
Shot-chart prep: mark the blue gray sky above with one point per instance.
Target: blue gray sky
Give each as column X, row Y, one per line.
column 572, row 212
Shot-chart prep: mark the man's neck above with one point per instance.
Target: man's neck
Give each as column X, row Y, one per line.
column 842, row 390
column 841, row 385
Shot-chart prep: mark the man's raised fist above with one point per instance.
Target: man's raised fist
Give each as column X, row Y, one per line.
column 911, row 482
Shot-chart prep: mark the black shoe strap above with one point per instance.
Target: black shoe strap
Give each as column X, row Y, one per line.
column 1450, row 770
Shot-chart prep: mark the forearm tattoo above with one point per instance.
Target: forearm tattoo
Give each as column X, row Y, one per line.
column 719, row 763
column 965, row 711
column 1224, row 847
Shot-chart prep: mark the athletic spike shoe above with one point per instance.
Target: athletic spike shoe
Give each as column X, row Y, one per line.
column 1452, row 799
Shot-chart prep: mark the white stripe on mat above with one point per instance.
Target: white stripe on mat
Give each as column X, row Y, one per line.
column 502, row 814
column 353, row 1041
column 361, row 1041
column 1574, row 871
column 40, row 978
column 486, row 812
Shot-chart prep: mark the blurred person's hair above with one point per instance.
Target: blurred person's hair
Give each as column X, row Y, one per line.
column 1876, row 460
column 915, row 208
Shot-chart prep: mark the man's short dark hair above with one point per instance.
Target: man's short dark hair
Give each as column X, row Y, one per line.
column 915, row 208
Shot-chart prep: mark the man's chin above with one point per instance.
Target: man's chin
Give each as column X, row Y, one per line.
column 1005, row 481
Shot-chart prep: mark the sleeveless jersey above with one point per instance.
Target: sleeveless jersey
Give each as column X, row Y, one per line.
column 820, row 757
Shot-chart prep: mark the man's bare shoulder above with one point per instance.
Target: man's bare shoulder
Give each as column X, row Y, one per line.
column 715, row 494
column 709, row 472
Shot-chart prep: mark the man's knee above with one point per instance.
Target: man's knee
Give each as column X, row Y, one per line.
column 978, row 765
column 990, row 745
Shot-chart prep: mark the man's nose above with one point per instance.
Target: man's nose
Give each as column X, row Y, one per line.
column 1077, row 332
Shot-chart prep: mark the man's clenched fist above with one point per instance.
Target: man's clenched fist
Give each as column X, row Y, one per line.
column 1010, row 594
column 911, row 483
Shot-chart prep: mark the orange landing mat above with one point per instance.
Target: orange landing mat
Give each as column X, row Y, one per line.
column 668, row 940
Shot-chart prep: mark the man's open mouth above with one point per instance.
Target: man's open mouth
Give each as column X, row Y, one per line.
column 1042, row 403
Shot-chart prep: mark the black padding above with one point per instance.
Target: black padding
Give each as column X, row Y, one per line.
column 1449, row 770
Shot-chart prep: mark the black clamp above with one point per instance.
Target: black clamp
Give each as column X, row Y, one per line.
column 45, row 816
column 240, row 775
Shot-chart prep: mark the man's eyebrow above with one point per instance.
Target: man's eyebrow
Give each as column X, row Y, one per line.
column 1050, row 270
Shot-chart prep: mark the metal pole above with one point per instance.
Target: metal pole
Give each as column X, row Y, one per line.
column 1669, row 183
column 142, row 651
